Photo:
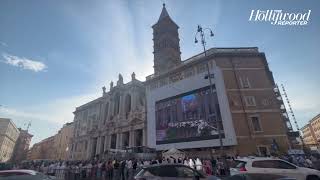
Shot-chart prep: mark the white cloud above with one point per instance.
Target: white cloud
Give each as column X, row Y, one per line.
column 24, row 63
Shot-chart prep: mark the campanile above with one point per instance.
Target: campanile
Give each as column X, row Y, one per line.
column 166, row 43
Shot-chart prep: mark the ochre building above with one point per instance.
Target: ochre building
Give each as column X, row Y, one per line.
column 183, row 112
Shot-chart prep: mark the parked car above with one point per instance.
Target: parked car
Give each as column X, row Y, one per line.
column 273, row 166
column 250, row 176
column 171, row 172
column 23, row 174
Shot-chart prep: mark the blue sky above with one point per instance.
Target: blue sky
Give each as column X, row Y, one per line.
column 56, row 55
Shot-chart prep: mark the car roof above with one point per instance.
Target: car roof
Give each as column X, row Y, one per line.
column 246, row 159
column 166, row 164
column 31, row 172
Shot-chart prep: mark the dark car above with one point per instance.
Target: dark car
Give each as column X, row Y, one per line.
column 171, row 172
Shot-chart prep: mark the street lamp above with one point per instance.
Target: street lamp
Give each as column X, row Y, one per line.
column 201, row 31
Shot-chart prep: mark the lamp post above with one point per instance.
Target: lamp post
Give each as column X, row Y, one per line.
column 201, row 31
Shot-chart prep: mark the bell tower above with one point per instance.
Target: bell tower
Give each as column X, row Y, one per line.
column 165, row 43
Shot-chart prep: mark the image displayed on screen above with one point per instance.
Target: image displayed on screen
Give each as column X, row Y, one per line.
column 191, row 116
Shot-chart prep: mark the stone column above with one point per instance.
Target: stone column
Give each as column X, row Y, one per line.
column 109, row 110
column 122, row 105
column 89, row 149
column 98, row 145
column 101, row 149
column 131, row 138
column 134, row 99
column 144, row 136
column 100, row 116
column 106, row 143
column 119, row 140
column 111, row 106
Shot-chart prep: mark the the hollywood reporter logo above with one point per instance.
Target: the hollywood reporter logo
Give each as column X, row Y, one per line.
column 278, row 17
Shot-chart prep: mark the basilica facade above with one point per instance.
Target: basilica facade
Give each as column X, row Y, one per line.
column 177, row 107
column 113, row 122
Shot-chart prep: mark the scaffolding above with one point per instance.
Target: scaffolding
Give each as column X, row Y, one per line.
column 283, row 109
column 291, row 113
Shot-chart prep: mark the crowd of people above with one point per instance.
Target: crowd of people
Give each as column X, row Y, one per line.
column 303, row 160
column 115, row 169
column 119, row 169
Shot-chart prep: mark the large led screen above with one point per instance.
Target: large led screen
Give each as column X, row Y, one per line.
column 191, row 116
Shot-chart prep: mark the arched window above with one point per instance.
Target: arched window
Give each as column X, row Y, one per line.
column 117, row 104
column 128, row 104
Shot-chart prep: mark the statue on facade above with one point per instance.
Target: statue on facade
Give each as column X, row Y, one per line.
column 133, row 76
column 111, row 85
column 104, row 89
column 120, row 80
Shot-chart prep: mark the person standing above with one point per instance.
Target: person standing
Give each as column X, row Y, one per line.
column 51, row 169
column 122, row 169
column 130, row 169
column 103, row 170
column 109, row 170
column 198, row 164
column 214, row 166
column 77, row 171
column 191, row 163
column 116, row 171
column 134, row 167
column 139, row 165
column 185, row 162
column 221, row 167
